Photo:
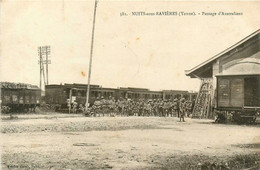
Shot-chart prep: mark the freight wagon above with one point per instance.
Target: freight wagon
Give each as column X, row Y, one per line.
column 238, row 97
column 18, row 97
column 59, row 96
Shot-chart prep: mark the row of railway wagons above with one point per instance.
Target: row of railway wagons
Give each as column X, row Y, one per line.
column 59, row 95
column 19, row 97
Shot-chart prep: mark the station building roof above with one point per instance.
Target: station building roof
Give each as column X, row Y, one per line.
column 204, row 70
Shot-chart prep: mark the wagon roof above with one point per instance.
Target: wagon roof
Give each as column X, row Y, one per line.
column 134, row 88
column 175, row 91
column 9, row 85
column 206, row 65
column 74, row 85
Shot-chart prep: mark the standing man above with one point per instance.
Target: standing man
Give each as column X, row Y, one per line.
column 178, row 107
column 182, row 109
column 110, row 106
column 175, row 106
column 103, row 105
column 81, row 108
column 161, row 108
column 96, row 107
column 120, row 106
column 165, row 108
column 149, row 108
column 74, row 107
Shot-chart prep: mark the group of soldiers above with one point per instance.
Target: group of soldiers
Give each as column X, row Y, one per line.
column 141, row 107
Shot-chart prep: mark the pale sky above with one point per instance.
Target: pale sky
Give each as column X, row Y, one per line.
column 129, row 51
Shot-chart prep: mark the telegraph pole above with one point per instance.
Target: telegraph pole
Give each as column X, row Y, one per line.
column 91, row 53
column 40, row 62
column 47, row 76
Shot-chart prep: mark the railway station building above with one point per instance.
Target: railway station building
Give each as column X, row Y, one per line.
column 229, row 80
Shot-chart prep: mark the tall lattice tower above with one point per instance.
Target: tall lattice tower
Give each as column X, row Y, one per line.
column 44, row 53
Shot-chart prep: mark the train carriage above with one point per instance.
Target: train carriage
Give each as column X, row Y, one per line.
column 239, row 96
column 56, row 96
column 17, row 97
column 60, row 96
column 6, row 98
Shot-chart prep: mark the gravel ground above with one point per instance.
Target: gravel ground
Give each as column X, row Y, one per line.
column 79, row 124
column 57, row 141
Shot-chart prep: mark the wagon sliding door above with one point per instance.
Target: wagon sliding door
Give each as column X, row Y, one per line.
column 237, row 92
column 252, row 91
column 230, row 92
column 223, row 92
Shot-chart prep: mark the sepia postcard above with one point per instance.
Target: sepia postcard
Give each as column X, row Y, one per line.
column 108, row 84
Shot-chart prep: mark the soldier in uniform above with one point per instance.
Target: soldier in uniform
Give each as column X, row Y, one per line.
column 153, row 102
column 144, row 107
column 135, row 108
column 137, row 105
column 149, row 108
column 127, row 108
column 110, row 106
column 131, row 107
column 141, row 107
column 156, row 107
column 81, row 108
column 169, row 108
column 175, row 106
column 114, row 106
column 89, row 111
column 120, row 106
column 192, row 105
column 186, row 103
column 178, row 107
column 102, row 106
column 96, row 107
column 117, row 107
column 188, row 108
column 161, row 108
column 165, row 108
column 124, row 107
column 182, row 109
column 74, row 107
